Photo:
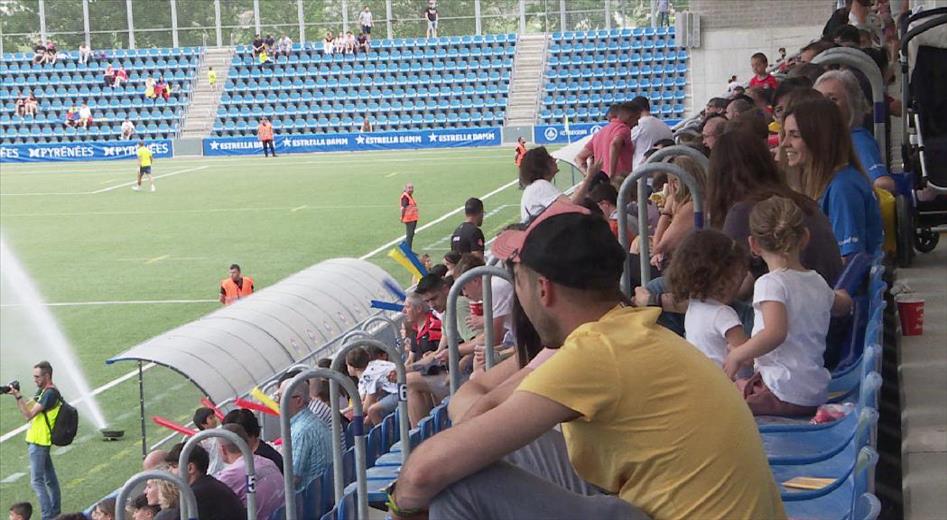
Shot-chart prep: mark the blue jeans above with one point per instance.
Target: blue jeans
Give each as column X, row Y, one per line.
column 44, row 481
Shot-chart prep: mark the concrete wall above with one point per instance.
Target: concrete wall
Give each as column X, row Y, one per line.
column 733, row 30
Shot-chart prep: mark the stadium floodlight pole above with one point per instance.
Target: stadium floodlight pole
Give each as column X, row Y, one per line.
column 174, row 23
column 404, row 426
column 638, row 176
column 85, row 23
column 256, row 16
column 41, row 8
column 187, row 495
column 131, row 23
column 217, row 28
column 562, row 15
column 301, row 18
column 477, row 22
column 345, row 15
column 358, row 432
column 234, row 439
column 453, row 337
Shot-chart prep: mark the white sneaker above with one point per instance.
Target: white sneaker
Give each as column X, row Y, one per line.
column 136, row 188
column 152, row 187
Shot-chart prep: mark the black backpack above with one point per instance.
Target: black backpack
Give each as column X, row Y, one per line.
column 67, row 424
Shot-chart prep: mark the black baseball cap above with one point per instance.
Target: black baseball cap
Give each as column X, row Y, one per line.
column 568, row 245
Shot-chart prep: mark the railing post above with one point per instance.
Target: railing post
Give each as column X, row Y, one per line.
column 388, row 19
column 256, row 17
column 188, row 502
column 358, row 429
column 41, row 8
column 638, row 177
column 174, row 23
column 217, row 24
column 489, row 339
column 85, row 23
column 247, row 459
column 404, row 426
column 453, row 339
column 860, row 61
column 301, row 17
column 477, row 21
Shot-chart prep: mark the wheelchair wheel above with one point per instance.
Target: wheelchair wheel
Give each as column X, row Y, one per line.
column 905, row 231
column 926, row 240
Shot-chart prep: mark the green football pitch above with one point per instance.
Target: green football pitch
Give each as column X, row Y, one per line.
column 124, row 266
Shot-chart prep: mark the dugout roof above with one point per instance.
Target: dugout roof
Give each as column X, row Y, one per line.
column 237, row 347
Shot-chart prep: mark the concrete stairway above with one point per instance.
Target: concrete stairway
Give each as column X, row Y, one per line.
column 526, row 84
column 203, row 109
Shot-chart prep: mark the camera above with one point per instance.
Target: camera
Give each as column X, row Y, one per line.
column 12, row 385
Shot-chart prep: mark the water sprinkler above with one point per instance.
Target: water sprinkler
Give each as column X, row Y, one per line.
column 111, row 435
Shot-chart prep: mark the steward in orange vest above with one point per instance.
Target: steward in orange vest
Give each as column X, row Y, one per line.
column 520, row 151
column 235, row 287
column 409, row 214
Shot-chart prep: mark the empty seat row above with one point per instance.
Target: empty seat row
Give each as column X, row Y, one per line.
column 116, row 53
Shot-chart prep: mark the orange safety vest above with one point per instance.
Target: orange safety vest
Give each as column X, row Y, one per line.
column 410, row 212
column 265, row 132
column 520, row 152
column 233, row 293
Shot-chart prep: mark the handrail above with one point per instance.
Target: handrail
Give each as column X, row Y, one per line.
column 358, row 431
column 390, row 322
column 638, row 176
column 680, row 149
column 863, row 63
column 247, row 458
column 453, row 340
column 188, row 501
column 395, row 356
column 355, row 334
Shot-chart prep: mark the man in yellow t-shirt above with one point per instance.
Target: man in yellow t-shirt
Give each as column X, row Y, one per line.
column 145, row 157
column 646, row 417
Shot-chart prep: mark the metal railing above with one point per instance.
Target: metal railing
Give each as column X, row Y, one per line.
column 453, row 339
column 234, row 439
column 638, row 177
column 358, row 432
column 860, row 61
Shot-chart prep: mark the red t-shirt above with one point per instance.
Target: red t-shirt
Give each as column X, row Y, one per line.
column 767, row 82
column 601, row 143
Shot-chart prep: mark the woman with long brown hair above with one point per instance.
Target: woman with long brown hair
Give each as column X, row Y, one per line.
column 817, row 142
column 743, row 173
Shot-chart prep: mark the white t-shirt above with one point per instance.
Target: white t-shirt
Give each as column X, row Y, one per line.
column 502, row 293
column 128, row 126
column 537, row 197
column 375, row 378
column 85, row 113
column 365, row 18
column 648, row 131
column 795, row 371
column 706, row 324
column 327, row 46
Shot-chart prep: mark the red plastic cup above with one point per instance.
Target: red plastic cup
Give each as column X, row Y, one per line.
column 476, row 308
column 911, row 310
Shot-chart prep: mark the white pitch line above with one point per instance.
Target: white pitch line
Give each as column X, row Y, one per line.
column 392, row 174
column 132, row 183
column 156, row 259
column 13, row 478
column 297, row 208
column 111, row 384
column 438, row 220
column 115, row 302
column 104, row 190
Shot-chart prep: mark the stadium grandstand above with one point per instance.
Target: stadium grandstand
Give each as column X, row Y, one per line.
column 482, row 259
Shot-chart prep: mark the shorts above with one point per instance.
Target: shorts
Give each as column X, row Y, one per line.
column 367, row 29
column 387, row 404
column 144, row 170
column 432, row 24
column 439, row 385
column 762, row 400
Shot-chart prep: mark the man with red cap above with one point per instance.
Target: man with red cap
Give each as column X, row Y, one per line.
column 645, row 417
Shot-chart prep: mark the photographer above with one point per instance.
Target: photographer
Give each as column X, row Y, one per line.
column 41, row 411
